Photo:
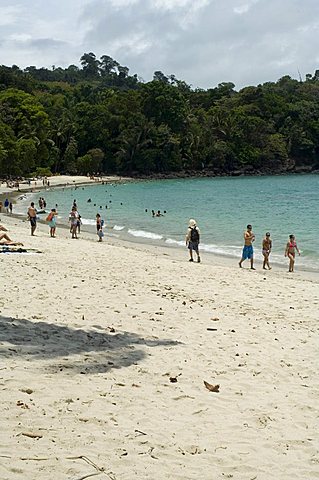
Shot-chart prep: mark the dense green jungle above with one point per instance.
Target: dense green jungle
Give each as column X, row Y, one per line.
column 97, row 118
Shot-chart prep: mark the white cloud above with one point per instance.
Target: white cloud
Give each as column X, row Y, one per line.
column 119, row 4
column 8, row 15
column 203, row 42
column 171, row 4
column 241, row 9
column 20, row 37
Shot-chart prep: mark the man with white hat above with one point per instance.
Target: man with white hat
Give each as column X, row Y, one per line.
column 192, row 239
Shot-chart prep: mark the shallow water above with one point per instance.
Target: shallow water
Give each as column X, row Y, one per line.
column 222, row 208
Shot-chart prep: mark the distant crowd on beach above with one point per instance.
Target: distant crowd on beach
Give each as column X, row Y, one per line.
column 7, row 206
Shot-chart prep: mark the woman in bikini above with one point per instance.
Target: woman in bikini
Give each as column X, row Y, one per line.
column 266, row 250
column 290, row 252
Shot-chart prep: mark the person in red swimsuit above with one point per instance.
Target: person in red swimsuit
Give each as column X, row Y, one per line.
column 290, row 252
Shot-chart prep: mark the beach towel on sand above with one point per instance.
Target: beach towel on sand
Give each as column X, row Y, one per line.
column 8, row 249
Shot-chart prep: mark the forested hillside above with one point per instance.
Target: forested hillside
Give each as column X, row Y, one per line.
column 99, row 118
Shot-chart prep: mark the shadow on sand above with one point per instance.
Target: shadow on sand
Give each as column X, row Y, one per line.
column 82, row 351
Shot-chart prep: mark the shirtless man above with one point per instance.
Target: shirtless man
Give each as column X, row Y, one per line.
column 266, row 250
column 32, row 214
column 248, row 251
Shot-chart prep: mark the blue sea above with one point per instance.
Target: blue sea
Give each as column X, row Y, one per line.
column 221, row 206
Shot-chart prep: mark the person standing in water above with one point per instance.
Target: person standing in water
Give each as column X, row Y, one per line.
column 266, row 250
column 192, row 239
column 290, row 252
column 248, row 251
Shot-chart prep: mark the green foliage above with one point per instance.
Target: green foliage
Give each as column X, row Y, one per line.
column 41, row 172
column 99, row 118
column 89, row 163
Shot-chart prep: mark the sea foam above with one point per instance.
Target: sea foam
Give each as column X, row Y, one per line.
column 143, row 234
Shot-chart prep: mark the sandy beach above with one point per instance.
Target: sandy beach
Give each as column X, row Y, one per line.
column 55, row 181
column 105, row 348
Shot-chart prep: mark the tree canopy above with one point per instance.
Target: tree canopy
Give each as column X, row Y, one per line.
column 99, row 118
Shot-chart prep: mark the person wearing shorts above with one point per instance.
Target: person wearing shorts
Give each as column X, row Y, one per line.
column 192, row 240
column 51, row 218
column 248, row 251
column 32, row 214
column 266, row 250
column 73, row 218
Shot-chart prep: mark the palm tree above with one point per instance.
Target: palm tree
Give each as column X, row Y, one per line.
column 132, row 142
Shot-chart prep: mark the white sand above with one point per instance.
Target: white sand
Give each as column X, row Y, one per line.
column 59, row 180
column 107, row 395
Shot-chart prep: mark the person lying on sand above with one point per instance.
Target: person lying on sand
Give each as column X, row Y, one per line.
column 5, row 239
column 8, row 241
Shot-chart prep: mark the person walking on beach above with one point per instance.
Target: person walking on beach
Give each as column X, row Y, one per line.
column 51, row 218
column 10, row 208
column 79, row 223
column 32, row 215
column 99, row 227
column 290, row 252
column 1, row 205
column 192, row 239
column 73, row 218
column 248, row 251
column 6, row 205
column 98, row 222
column 266, row 250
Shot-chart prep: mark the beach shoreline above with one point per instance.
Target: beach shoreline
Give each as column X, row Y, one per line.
column 58, row 181
column 177, row 251
column 88, row 232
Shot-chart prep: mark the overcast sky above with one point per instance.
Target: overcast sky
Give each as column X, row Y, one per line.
column 203, row 42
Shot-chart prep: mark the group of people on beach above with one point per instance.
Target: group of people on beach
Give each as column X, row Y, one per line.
column 193, row 238
column 248, row 250
column 192, row 235
column 42, row 203
column 74, row 220
column 33, row 217
column 7, row 205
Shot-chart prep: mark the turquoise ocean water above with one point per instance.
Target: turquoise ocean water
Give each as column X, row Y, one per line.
column 222, row 208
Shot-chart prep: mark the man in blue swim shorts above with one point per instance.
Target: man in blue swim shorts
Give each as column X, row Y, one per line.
column 248, row 251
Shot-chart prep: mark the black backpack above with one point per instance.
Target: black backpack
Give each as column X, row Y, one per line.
column 194, row 235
